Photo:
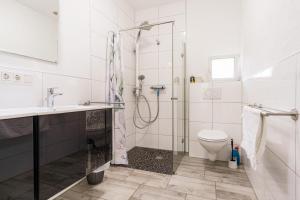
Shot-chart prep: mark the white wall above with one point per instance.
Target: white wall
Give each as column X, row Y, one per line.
column 80, row 72
column 271, row 66
column 156, row 65
column 213, row 29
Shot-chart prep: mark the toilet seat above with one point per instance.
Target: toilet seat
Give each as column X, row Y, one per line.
column 212, row 136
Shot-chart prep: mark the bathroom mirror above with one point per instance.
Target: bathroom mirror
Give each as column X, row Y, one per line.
column 29, row 28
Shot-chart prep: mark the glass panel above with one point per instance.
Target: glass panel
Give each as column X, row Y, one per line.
column 223, row 68
column 178, row 109
column 16, row 159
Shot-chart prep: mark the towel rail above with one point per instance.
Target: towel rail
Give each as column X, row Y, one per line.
column 294, row 114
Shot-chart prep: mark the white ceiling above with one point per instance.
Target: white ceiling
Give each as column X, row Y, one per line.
column 142, row 4
column 44, row 6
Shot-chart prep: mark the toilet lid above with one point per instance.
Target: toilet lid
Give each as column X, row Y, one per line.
column 212, row 135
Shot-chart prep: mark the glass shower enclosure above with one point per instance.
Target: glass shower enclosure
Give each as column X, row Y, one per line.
column 159, row 96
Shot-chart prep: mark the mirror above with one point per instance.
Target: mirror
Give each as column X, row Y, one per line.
column 30, row 28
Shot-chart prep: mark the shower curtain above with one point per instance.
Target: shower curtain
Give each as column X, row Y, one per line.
column 114, row 95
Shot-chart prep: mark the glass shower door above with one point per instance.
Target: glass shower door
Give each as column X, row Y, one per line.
column 178, row 101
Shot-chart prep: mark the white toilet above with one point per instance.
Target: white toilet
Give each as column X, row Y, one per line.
column 213, row 141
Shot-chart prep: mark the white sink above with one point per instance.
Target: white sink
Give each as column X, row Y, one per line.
column 34, row 111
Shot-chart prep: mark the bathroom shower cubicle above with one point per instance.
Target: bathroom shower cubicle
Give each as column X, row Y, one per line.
column 157, row 115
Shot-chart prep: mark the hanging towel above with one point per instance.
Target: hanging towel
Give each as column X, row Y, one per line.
column 254, row 136
column 115, row 95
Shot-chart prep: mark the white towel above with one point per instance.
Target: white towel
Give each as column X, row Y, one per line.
column 254, row 136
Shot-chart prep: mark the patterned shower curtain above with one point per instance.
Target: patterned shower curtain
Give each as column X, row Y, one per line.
column 114, row 91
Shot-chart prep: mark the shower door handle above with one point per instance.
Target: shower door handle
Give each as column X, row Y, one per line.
column 174, row 98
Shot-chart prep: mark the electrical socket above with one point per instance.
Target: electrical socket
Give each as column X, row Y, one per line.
column 6, row 76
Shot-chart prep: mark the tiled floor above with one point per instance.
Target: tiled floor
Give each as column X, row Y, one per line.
column 195, row 179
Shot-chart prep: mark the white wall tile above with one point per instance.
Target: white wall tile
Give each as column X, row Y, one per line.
column 147, row 140
column 98, row 45
column 104, row 27
column 98, row 91
column 165, row 127
column 171, row 9
column 148, row 60
column 165, row 76
column 201, row 112
column 148, row 44
column 146, row 14
column 227, row 112
column 107, row 8
column 165, row 142
column 281, row 139
column 165, row 110
column 98, row 69
column 231, row 91
column 165, row 59
column 152, row 129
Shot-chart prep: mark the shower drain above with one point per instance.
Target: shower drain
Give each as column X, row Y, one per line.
column 159, row 157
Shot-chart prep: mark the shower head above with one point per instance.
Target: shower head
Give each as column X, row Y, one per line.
column 145, row 26
column 141, row 77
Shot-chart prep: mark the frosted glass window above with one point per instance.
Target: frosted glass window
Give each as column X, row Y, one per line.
column 223, row 68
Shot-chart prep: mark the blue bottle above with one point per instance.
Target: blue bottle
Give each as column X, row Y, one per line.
column 236, row 156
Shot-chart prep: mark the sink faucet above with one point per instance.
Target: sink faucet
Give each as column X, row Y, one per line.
column 51, row 95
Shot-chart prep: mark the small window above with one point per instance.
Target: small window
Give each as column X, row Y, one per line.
column 224, row 68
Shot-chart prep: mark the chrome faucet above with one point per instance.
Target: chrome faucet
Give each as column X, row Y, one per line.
column 51, row 95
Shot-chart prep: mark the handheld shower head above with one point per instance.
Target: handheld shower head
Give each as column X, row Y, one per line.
column 141, row 77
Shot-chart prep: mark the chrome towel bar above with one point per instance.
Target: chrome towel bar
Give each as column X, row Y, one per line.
column 294, row 114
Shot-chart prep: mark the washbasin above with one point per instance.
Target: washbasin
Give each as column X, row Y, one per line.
column 33, row 111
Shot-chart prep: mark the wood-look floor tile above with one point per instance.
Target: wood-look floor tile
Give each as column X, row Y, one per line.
column 230, row 177
column 120, row 173
column 197, row 187
column 234, row 192
column 72, row 195
column 149, row 178
column 153, row 193
column 192, row 197
column 190, row 171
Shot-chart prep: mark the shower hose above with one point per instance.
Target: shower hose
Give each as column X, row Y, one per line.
column 144, row 122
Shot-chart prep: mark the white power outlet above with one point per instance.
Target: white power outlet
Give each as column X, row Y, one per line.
column 6, row 76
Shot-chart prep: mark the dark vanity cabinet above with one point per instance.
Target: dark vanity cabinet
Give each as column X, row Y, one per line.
column 63, row 149
column 16, row 159
column 62, row 152
column 72, row 145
